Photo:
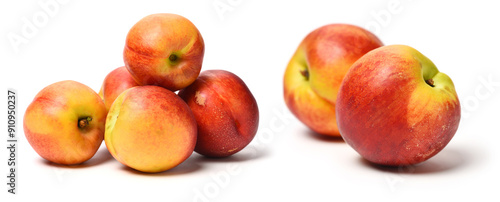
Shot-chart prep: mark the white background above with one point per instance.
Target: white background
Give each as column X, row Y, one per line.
column 84, row 40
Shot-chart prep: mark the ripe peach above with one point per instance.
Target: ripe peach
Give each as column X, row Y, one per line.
column 225, row 110
column 165, row 50
column 115, row 83
column 150, row 129
column 65, row 122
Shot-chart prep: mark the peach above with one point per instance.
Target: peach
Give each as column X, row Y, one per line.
column 150, row 129
column 65, row 122
column 115, row 83
column 316, row 70
column 225, row 110
column 164, row 50
column 395, row 108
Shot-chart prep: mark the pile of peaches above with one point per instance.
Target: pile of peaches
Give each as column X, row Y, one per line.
column 143, row 122
column 389, row 103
